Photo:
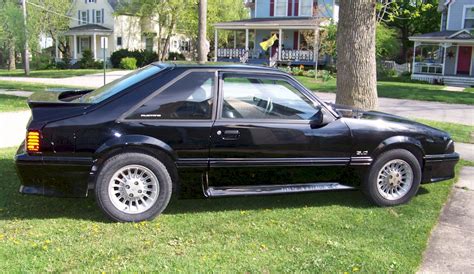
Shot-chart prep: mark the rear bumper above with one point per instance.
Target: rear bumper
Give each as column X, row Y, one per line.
column 53, row 176
column 439, row 167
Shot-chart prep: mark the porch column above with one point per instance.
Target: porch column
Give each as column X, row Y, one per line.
column 246, row 39
column 235, row 39
column 94, row 46
column 414, row 57
column 280, row 41
column 215, row 45
column 74, row 47
column 316, row 51
column 56, row 49
column 445, row 48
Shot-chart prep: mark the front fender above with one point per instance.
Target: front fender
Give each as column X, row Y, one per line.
column 134, row 140
column 400, row 141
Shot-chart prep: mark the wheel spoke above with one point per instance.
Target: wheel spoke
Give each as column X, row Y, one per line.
column 395, row 179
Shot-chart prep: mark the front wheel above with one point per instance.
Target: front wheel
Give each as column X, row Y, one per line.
column 393, row 179
column 133, row 187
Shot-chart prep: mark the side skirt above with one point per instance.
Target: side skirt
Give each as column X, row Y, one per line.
column 225, row 191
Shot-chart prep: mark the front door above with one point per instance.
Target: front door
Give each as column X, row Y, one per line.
column 262, row 135
column 464, row 60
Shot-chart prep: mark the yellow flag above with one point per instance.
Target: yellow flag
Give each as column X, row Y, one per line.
column 267, row 44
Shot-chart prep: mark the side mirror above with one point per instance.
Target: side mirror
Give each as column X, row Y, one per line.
column 317, row 120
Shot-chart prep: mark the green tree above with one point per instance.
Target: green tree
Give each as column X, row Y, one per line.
column 11, row 29
column 409, row 17
column 387, row 46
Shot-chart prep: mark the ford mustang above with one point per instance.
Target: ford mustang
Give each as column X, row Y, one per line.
column 188, row 130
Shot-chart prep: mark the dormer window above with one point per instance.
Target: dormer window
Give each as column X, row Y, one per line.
column 468, row 17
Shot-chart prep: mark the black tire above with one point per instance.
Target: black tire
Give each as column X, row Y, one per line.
column 370, row 184
column 113, row 165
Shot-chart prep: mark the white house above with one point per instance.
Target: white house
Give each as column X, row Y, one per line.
column 447, row 56
column 93, row 19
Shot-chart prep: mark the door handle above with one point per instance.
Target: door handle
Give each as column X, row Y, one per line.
column 229, row 135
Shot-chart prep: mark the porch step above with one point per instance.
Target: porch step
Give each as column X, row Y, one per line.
column 272, row 189
column 459, row 82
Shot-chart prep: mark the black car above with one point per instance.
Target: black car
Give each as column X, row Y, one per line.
column 190, row 130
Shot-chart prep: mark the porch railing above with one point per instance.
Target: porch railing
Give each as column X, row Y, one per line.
column 230, row 53
column 429, row 68
column 297, row 55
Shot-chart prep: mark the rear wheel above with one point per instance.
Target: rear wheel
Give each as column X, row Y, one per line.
column 393, row 179
column 133, row 187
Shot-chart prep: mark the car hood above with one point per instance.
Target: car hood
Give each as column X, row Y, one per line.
column 391, row 121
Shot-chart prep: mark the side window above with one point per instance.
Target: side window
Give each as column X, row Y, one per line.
column 190, row 98
column 261, row 98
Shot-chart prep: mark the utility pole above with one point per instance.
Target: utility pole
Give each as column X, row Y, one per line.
column 26, row 54
column 203, row 48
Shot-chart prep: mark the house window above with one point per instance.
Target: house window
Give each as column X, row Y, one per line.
column 184, row 45
column 119, row 41
column 98, row 16
column 306, row 7
column 281, row 7
column 83, row 19
column 469, row 17
column 149, row 43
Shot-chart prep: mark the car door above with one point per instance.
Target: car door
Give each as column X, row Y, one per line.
column 262, row 134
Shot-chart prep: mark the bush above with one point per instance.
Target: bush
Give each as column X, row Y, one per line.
column 129, row 63
column 143, row 57
column 87, row 61
column 176, row 56
column 42, row 61
column 326, row 75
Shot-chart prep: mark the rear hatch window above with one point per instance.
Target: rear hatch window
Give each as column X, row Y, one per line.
column 120, row 84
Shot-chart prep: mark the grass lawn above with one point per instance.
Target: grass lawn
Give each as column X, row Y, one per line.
column 400, row 90
column 459, row 133
column 12, row 103
column 330, row 232
column 51, row 73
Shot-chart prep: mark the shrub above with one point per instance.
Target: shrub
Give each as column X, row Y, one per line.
column 129, row 63
column 175, row 56
column 42, row 61
column 326, row 75
column 87, row 61
column 297, row 71
column 143, row 57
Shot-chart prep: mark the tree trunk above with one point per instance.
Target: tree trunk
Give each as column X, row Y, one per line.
column 356, row 66
column 11, row 56
column 202, row 46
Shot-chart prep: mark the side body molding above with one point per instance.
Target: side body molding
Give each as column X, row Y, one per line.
column 134, row 140
column 402, row 141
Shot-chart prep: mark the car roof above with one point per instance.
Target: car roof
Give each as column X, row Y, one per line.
column 215, row 66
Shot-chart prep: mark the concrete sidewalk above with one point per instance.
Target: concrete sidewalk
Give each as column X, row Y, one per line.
column 451, row 245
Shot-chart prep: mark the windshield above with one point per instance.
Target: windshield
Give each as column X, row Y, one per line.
column 120, row 84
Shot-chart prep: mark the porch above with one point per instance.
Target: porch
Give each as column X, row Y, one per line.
column 87, row 37
column 296, row 45
column 444, row 57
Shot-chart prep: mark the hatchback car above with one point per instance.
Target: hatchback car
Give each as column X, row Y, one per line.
column 190, row 130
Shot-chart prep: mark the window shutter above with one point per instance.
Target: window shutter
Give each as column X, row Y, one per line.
column 88, row 11
column 297, row 7
column 290, row 8
column 315, row 8
column 93, row 16
column 102, row 14
column 272, row 7
column 79, row 17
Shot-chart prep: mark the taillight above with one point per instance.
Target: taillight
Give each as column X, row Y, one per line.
column 33, row 141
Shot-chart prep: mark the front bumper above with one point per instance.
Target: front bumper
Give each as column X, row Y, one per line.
column 439, row 167
column 53, row 176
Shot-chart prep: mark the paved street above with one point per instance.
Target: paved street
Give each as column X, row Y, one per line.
column 87, row 81
column 454, row 113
